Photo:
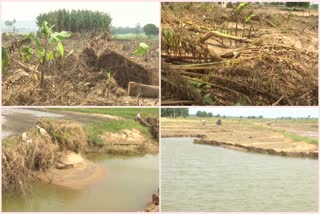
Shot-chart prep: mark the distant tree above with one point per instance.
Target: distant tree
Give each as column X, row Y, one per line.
column 150, row 29
column 76, row 20
column 210, row 114
column 9, row 23
column 298, row 4
column 199, row 113
column 137, row 29
column 174, row 112
column 260, row 117
column 218, row 115
column 204, row 114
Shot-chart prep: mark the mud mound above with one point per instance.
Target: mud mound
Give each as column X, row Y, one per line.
column 77, row 79
column 67, row 134
column 73, row 172
column 90, row 56
column 124, row 70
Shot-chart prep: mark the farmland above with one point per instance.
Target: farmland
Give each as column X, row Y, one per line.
column 82, row 64
column 243, row 54
column 294, row 137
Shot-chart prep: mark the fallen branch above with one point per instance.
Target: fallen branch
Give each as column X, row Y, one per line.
column 221, row 35
column 25, row 67
column 218, row 86
column 278, row 101
column 225, row 79
column 271, row 23
column 204, row 66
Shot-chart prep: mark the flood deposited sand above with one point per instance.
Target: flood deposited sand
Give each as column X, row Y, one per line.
column 77, row 174
column 240, row 135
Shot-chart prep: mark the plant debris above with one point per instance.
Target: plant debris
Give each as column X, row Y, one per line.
column 216, row 56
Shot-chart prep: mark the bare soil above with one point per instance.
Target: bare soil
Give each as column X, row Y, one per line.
column 240, row 134
column 272, row 61
column 77, row 173
column 128, row 142
column 81, row 78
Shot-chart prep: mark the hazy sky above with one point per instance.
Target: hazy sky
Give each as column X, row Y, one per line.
column 268, row 112
column 122, row 13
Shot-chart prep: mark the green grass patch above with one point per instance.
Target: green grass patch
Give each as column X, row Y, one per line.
column 95, row 130
column 134, row 36
column 296, row 137
column 121, row 112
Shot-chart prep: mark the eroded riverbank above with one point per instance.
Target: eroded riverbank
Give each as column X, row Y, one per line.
column 64, row 155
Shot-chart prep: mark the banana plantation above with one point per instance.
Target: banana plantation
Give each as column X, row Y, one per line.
column 73, row 59
column 239, row 54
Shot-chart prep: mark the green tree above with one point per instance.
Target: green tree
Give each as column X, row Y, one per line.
column 77, row 21
column 10, row 24
column 137, row 29
column 298, row 4
column 174, row 112
column 150, row 29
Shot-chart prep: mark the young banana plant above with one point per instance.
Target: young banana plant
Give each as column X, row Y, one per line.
column 47, row 51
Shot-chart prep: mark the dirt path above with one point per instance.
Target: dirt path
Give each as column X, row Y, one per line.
column 239, row 135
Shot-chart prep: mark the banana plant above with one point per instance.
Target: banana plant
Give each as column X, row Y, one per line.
column 51, row 49
column 143, row 50
column 248, row 18
column 237, row 12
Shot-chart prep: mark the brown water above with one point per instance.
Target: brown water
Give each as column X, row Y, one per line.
column 208, row 178
column 128, row 186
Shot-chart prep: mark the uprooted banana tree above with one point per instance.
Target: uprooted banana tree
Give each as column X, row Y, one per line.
column 48, row 50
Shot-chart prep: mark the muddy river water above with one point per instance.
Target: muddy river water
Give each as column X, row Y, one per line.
column 208, row 178
column 128, row 185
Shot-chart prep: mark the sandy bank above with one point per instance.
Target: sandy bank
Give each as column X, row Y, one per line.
column 72, row 171
column 239, row 135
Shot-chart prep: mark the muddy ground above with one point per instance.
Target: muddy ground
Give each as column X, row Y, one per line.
column 272, row 59
column 242, row 133
column 81, row 78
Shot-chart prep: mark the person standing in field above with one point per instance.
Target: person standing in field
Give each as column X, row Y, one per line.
column 204, row 122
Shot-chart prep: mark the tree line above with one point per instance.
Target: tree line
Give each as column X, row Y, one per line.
column 148, row 29
column 174, row 112
column 76, row 21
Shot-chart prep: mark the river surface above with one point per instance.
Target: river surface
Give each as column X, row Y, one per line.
column 208, row 178
column 128, row 185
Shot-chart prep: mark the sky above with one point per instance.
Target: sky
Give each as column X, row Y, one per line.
column 123, row 13
column 267, row 112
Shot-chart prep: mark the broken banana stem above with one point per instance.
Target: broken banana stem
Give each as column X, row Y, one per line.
column 221, row 35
